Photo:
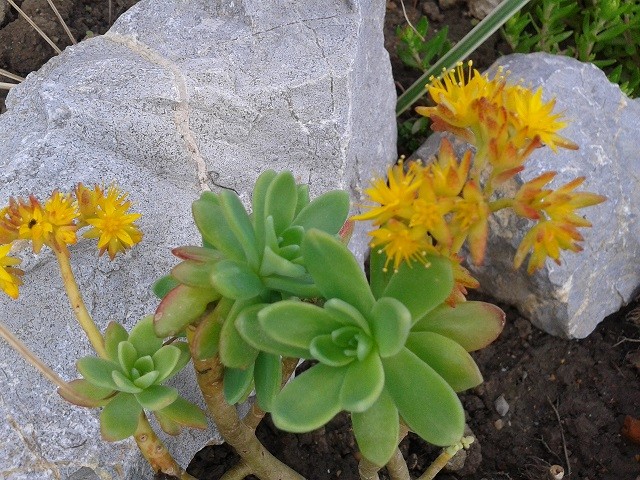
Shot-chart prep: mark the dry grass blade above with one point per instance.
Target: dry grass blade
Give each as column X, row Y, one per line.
column 7, row 86
column 10, row 75
column 37, row 29
column 64, row 25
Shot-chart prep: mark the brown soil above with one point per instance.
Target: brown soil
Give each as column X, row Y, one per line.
column 567, row 399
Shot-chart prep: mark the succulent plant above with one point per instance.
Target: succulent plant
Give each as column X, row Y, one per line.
column 246, row 260
column 385, row 350
column 130, row 381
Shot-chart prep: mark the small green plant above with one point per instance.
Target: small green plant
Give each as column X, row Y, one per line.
column 386, row 351
column 604, row 32
column 131, row 379
column 418, row 51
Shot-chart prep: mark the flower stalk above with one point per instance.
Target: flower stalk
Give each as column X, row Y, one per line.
column 78, row 305
column 37, row 363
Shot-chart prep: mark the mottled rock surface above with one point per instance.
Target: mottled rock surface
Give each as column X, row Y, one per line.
column 179, row 97
column 571, row 299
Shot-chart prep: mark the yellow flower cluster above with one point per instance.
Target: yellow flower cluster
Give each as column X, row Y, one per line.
column 429, row 209
column 438, row 207
column 504, row 122
column 555, row 211
column 55, row 224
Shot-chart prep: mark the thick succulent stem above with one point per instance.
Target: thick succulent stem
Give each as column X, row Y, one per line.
column 368, row 470
column 77, row 304
column 238, row 472
column 397, row 466
column 209, row 374
column 155, row 452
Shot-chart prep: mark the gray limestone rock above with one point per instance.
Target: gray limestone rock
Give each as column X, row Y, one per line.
column 177, row 98
column 571, row 299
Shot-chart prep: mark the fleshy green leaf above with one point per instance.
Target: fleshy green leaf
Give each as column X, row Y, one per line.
column 119, row 419
column 234, row 351
column 421, row 288
column 165, row 360
column 474, row 325
column 97, row 371
column 426, row 402
column 163, row 286
column 327, row 212
column 310, row 400
column 390, row 322
column 379, row 277
column 236, row 280
column 292, row 236
column 447, row 358
column 181, row 307
column 280, row 201
column 214, row 228
column 206, row 340
column 113, row 335
column 257, row 204
column 124, row 383
column 144, row 338
column 185, row 357
column 270, row 236
column 299, row 287
column 272, row 263
column 127, row 355
column 185, row 413
column 324, row 349
column 91, row 395
column 236, row 382
column 146, row 380
column 166, row 424
column 198, row 254
column 362, row 384
column 157, row 397
column 290, row 252
column 377, row 429
column 240, row 224
column 346, row 314
column 194, row 274
column 249, row 328
column 144, row 364
column 296, row 323
column 268, row 377
column 342, row 278
column 303, row 198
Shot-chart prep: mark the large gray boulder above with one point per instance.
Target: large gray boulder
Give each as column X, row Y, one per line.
column 179, row 97
column 571, row 299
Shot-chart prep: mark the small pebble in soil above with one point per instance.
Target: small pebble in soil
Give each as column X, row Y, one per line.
column 447, row 3
column 499, row 424
column 502, row 407
column 431, row 10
